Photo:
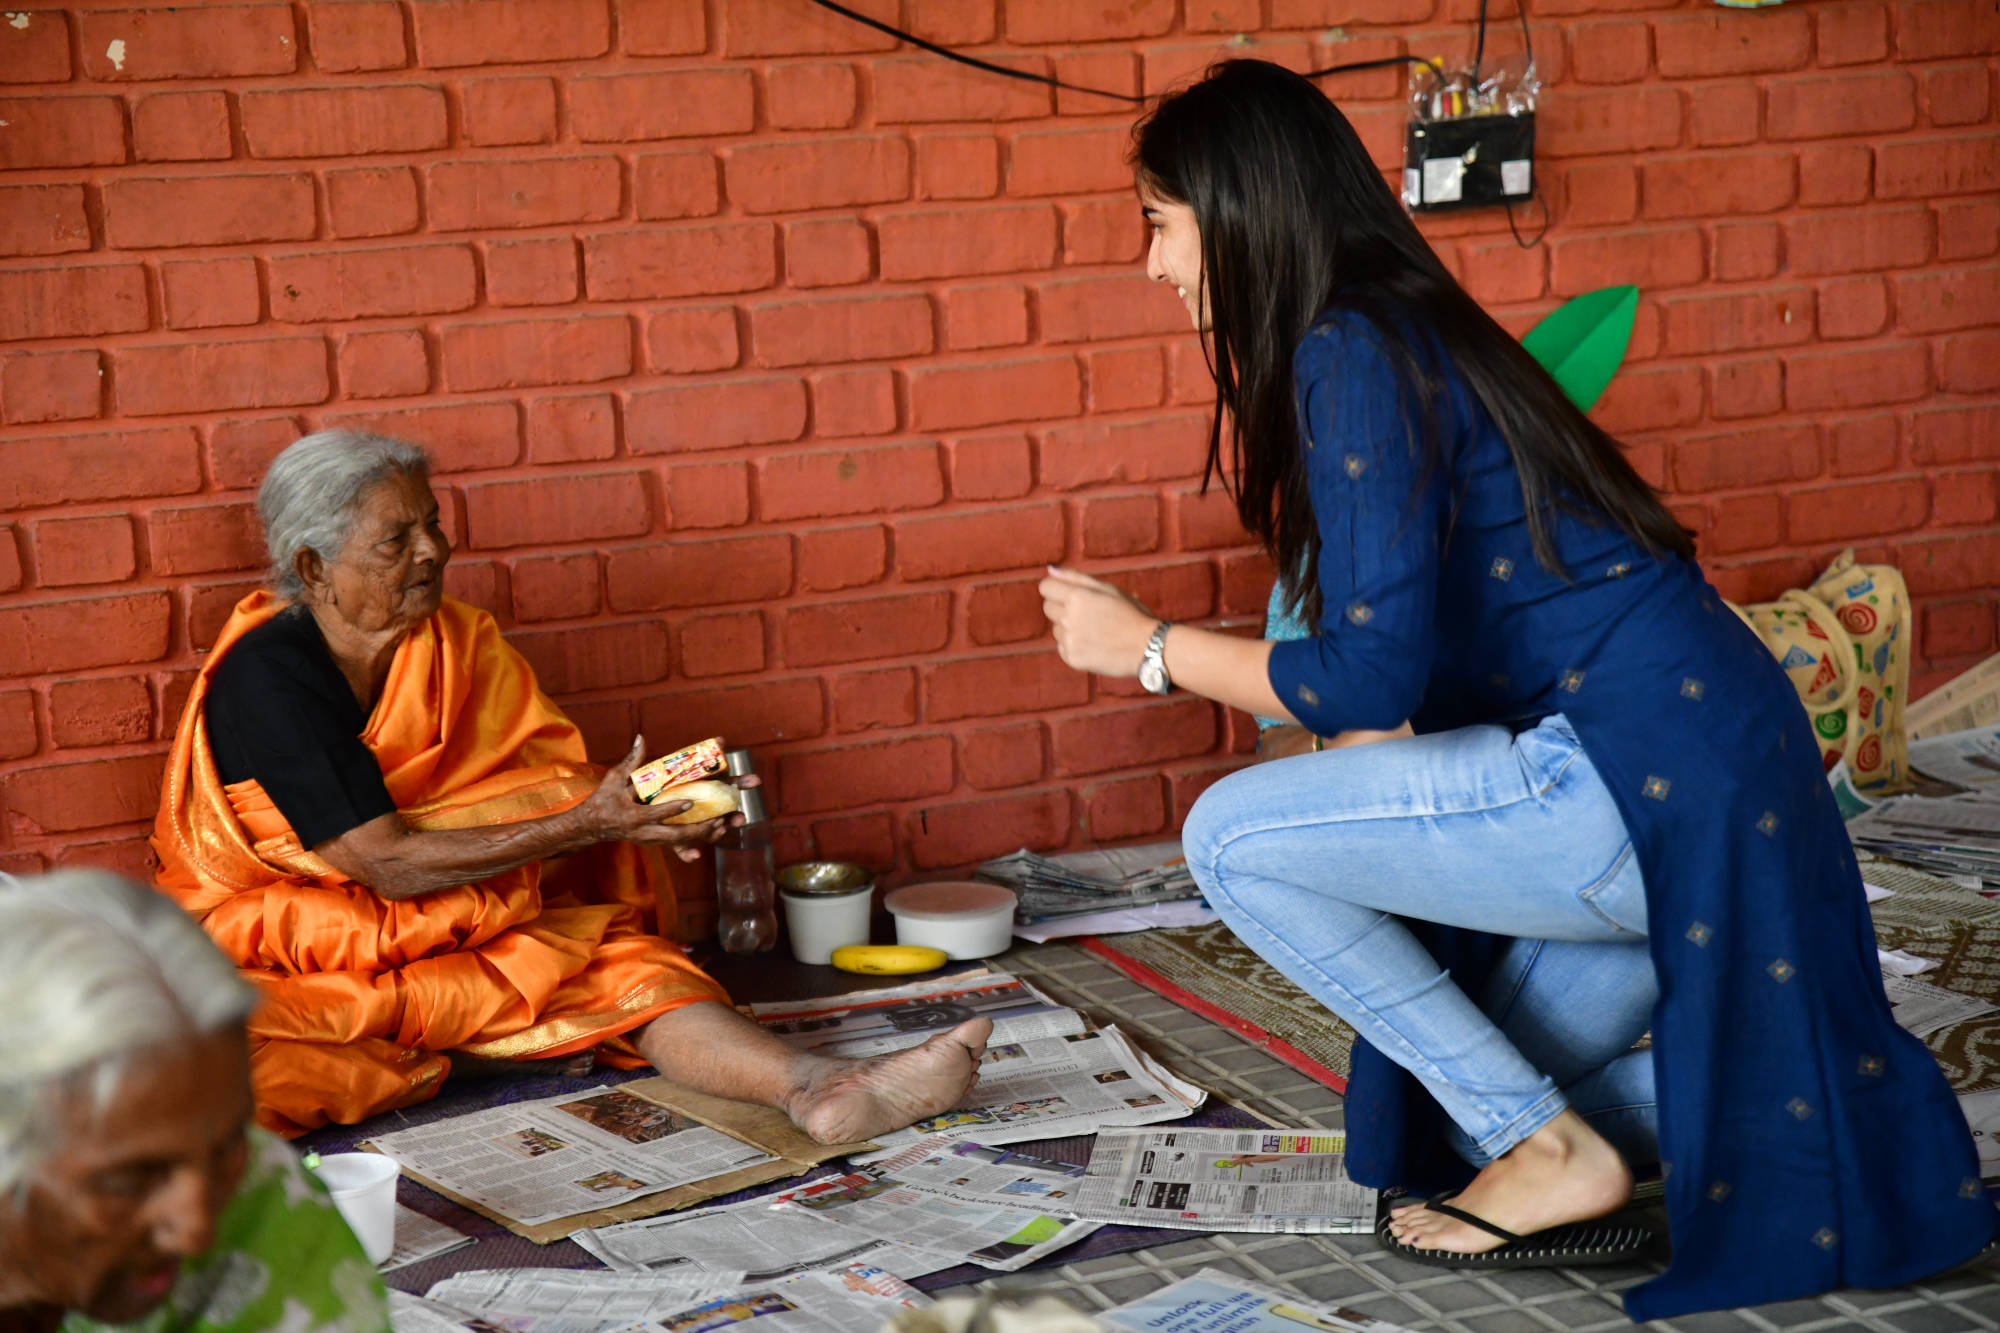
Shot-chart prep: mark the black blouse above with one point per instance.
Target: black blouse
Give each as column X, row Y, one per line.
column 278, row 710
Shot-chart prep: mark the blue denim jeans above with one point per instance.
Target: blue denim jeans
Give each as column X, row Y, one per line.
column 1315, row 861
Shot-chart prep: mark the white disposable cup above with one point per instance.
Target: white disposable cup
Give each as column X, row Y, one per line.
column 363, row 1185
column 819, row 923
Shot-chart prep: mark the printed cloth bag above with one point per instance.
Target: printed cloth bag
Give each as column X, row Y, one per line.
column 1845, row 642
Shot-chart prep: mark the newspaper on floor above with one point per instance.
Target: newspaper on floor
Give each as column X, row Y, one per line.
column 1216, row 1302
column 1846, row 796
column 752, row 1235
column 1092, row 881
column 1901, row 963
column 1956, row 836
column 538, row 1161
column 1118, row 921
column 874, row 1021
column 1970, row 758
column 853, row 1299
column 1225, row 1180
column 1969, row 699
column 414, row 1314
column 1982, row 1117
column 419, row 1238
column 1920, row 1008
column 1053, row 1088
column 564, row 1300
column 985, row 1205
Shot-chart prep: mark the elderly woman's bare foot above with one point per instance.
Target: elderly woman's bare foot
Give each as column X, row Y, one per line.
column 1563, row 1172
column 846, row 1101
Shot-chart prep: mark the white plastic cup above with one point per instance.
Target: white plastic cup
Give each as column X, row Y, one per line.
column 363, row 1185
column 827, row 905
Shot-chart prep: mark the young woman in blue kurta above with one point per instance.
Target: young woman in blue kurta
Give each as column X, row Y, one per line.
column 1606, row 815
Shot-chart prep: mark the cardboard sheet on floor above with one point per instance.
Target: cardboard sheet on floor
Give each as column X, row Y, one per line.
column 760, row 1127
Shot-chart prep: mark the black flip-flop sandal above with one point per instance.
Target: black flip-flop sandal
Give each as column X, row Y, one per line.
column 1575, row 1245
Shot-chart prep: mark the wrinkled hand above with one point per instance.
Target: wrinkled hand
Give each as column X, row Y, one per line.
column 614, row 811
column 1097, row 627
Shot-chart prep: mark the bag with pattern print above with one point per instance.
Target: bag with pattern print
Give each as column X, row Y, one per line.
column 1845, row 643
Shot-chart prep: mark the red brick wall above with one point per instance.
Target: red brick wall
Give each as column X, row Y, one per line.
column 765, row 364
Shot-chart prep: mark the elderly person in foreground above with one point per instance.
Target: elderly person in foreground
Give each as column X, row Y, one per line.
column 132, row 1189
column 378, row 815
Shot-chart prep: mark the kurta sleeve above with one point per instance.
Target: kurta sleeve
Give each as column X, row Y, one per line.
column 1379, row 531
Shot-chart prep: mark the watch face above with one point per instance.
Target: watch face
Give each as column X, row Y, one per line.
column 1153, row 676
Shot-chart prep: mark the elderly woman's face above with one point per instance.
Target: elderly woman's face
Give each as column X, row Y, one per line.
column 390, row 575
column 127, row 1193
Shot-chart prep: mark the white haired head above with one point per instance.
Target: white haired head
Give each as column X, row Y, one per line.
column 99, row 972
column 313, row 489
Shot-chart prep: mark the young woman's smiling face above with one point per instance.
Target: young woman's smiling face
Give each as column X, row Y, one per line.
column 1175, row 253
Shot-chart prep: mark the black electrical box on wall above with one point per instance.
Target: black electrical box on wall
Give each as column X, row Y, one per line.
column 1468, row 162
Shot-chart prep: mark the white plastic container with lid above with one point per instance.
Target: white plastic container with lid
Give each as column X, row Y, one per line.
column 963, row 918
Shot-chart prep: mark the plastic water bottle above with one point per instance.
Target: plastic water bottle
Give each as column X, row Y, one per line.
column 745, row 873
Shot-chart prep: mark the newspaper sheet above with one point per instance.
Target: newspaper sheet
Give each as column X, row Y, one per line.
column 1846, row 796
column 419, row 1238
column 1118, row 921
column 1969, row 758
column 563, row 1300
column 843, row 1299
column 1982, row 1116
column 542, row 1160
column 1225, row 1180
column 871, row 1022
column 1092, row 881
column 414, row 1314
column 1956, row 836
column 1970, row 699
column 1053, row 1088
column 1216, row 1302
column 752, row 1235
column 996, row 1208
column 1920, row 1008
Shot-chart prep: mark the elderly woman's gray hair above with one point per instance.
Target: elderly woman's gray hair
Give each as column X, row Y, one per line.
column 310, row 495
column 98, row 972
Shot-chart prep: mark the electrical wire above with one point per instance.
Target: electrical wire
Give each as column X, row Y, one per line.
column 1027, row 76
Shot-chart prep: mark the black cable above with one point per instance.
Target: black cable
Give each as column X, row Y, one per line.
column 1534, row 197
column 1027, row 77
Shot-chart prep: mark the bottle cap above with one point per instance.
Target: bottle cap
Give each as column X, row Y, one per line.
column 750, row 800
column 739, row 763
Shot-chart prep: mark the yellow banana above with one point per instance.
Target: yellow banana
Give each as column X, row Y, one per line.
column 887, row 959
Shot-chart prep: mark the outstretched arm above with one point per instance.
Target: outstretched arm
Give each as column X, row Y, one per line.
column 399, row 862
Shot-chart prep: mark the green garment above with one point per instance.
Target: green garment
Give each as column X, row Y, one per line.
column 283, row 1262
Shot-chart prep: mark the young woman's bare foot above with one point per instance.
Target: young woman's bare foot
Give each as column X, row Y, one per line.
column 846, row 1101
column 1563, row 1172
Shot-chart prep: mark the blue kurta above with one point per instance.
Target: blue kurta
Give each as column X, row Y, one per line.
column 1809, row 1142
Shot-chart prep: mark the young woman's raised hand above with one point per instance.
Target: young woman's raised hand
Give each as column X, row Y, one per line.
column 1097, row 627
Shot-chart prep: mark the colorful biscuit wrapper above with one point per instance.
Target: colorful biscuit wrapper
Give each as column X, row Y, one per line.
column 703, row 759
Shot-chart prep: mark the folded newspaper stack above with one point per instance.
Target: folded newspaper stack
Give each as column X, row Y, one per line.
column 1957, row 837
column 1093, row 881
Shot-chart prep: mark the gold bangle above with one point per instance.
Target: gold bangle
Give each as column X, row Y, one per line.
column 1319, row 743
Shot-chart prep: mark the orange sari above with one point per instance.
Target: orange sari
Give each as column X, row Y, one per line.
column 362, row 996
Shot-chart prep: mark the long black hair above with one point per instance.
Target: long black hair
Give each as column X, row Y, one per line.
column 1296, row 219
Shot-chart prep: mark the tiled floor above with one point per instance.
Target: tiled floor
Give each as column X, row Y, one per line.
column 1350, row 1270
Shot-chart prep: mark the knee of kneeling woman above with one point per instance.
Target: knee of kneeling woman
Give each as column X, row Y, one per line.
column 1209, row 827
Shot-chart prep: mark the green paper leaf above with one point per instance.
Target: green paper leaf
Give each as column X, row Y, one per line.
column 1583, row 343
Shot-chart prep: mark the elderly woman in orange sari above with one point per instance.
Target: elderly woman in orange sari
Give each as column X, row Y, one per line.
column 382, row 820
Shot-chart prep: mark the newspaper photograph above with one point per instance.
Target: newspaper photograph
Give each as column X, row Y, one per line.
column 542, row 1160
column 1225, row 1180
column 565, row 1300
column 753, row 1236
column 871, row 1022
column 1920, row 1008
column 419, row 1238
column 1216, row 1302
column 1982, row 1117
column 989, row 1206
column 1054, row 1088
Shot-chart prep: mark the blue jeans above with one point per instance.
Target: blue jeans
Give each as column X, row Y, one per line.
column 1314, row 860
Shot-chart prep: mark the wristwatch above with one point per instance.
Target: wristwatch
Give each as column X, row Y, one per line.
column 1153, row 663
